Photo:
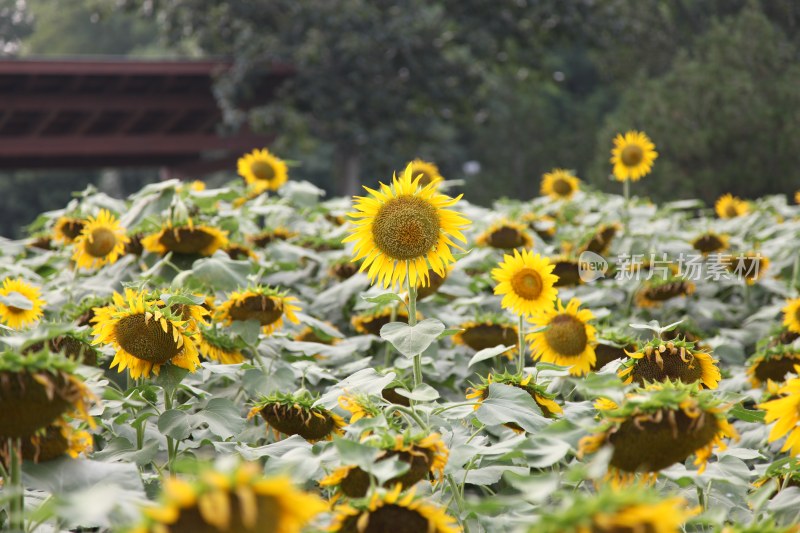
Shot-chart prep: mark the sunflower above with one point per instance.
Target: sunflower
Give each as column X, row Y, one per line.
column 428, row 173
column 263, row 171
column 67, row 229
column 567, row 270
column 661, row 360
column 55, row 441
column 371, row 322
column 749, row 266
column 601, row 240
column 526, row 282
column 239, row 500
column 186, row 240
column 217, row 346
column 797, row 197
column 729, row 206
column 786, row 411
column 101, row 242
column 240, row 252
column 612, row 345
column 773, row 361
column 791, row 315
column 434, row 283
column 271, row 235
column 657, row 427
column 505, row 235
column 343, row 269
column 359, row 406
column 567, row 338
column 292, row 414
column 543, row 225
column 632, row 156
column 134, row 246
column 761, row 527
column 655, row 291
column 543, row 399
column 74, row 345
column 145, row 335
column 488, row 333
column 405, row 229
column 389, row 512
column 28, row 308
column 267, row 305
column 560, row 184
column 710, row 243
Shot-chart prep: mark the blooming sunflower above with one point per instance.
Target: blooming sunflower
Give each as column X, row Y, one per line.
column 710, row 242
column 263, row 171
column 567, row 270
column 791, row 315
column 601, row 240
column 567, row 338
column 632, row 156
column 75, row 345
column 773, row 360
column 66, row 229
column 371, row 322
column 215, row 345
column 359, row 406
column 55, row 441
column 655, row 291
column 391, row 512
column 729, row 206
column 101, row 242
column 405, row 229
column 526, row 282
column 749, row 266
column 785, row 411
column 657, row 427
column 145, row 335
column 240, row 500
column 293, row 414
column 560, row 184
column 267, row 305
column 660, row 360
column 20, row 303
column 428, row 173
column 187, row 239
column 487, row 333
column 505, row 235
column 543, row 399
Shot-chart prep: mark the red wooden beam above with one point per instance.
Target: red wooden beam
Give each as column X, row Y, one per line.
column 106, row 101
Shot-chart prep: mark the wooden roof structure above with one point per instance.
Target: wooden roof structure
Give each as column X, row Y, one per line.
column 107, row 113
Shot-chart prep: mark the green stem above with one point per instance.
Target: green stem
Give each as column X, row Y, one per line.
column 412, row 321
column 521, row 358
column 626, row 191
column 387, row 346
column 410, row 412
column 171, row 447
column 459, row 499
column 17, row 504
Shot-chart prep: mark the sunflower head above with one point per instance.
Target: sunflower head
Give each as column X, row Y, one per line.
column 188, row 239
column 487, row 332
column 662, row 360
column 791, row 315
column 20, row 303
column 271, row 235
column 428, row 173
column 268, row 305
column 216, row 345
column 101, row 241
column 74, row 345
column 405, row 230
column 295, row 414
column 775, row 357
column 560, row 184
column 434, row 283
column 543, row 399
column 613, row 345
column 370, row 322
column 526, row 282
column 710, row 243
column 566, row 337
column 632, row 156
column 768, row 526
column 543, row 225
column 505, row 235
column 343, row 269
column 729, row 206
column 567, row 270
column 749, row 266
column 601, row 240
column 262, row 171
column 240, row 252
column 785, row 412
column 655, row 291
column 67, row 229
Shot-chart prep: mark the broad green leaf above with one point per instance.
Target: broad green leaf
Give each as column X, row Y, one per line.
column 221, row 272
column 412, row 340
column 15, row 299
column 506, row 404
column 382, row 299
column 747, row 415
column 222, row 417
column 422, row 393
column 170, row 377
column 488, row 353
column 174, row 423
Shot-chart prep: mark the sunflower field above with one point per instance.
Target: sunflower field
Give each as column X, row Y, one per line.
column 261, row 358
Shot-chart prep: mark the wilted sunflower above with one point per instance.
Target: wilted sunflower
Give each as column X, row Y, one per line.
column 710, row 243
column 267, row 305
column 560, row 184
column 237, row 501
column 488, row 332
column 601, row 240
column 568, row 338
column 343, row 269
column 101, row 242
column 296, row 415
column 791, row 315
column 526, row 282
column 187, row 239
column 505, row 235
column 775, row 357
column 371, row 322
column 240, row 252
column 655, row 291
column 405, row 229
column 74, row 344
column 657, row 427
column 145, row 335
column 612, row 345
column 729, row 206
column 215, row 345
column 428, row 173
column 661, row 360
column 67, row 229
column 617, row 510
column 28, row 308
column 543, row 399
column 632, row 156
column 263, row 171
column 785, row 411
column 390, row 512
column 271, row 235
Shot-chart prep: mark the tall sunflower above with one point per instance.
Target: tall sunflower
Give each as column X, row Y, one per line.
column 526, row 282
column 729, row 206
column 428, row 173
column 567, row 338
column 405, row 229
column 632, row 156
column 660, row 360
column 791, row 315
column 102, row 241
column 505, row 235
column 28, row 308
column 267, row 305
column 560, row 184
column 66, row 229
column 785, row 411
column 263, row 171
column 187, row 239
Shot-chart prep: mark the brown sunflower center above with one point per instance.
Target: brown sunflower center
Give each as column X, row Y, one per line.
column 262, row 170
column 527, row 283
column 506, row 238
column 265, row 519
column 406, row 227
column 356, row 483
column 488, row 336
column 669, row 366
column 708, row 243
column 567, row 335
column 632, row 155
column 186, row 240
column 731, row 211
column 667, row 291
column 643, row 525
column 562, row 187
column 388, row 519
column 568, row 273
column 257, row 307
column 775, row 368
column 72, row 228
column 145, row 338
column 296, row 420
column 101, row 242
column 31, row 402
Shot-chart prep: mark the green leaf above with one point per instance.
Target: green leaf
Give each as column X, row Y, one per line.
column 383, row 299
column 222, row 417
column 355, row 453
column 449, row 332
column 181, row 299
column 170, row 377
column 412, row 340
column 247, row 330
column 488, row 353
column 174, row 423
column 506, row 404
column 747, row 415
column 15, row 299
column 422, row 393
column 220, row 272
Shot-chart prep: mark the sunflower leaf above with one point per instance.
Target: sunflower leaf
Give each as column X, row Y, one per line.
column 412, row 340
column 382, row 299
column 747, row 415
column 422, row 393
column 506, row 404
column 15, row 299
column 449, row 332
column 174, row 423
column 488, row 353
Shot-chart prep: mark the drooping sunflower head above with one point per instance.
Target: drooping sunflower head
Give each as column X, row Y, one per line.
column 780, row 474
column 776, row 356
column 434, row 284
column 343, row 269
column 392, row 512
column 560, row 184
column 632, row 156
column 359, row 406
column 749, row 266
column 487, row 332
column 187, row 239
column 567, row 338
column 20, row 303
column 268, row 305
column 791, row 315
column 216, row 345
column 145, row 335
column 660, row 360
column 67, row 229
column 271, row 235
column 371, row 322
column 613, row 345
column 101, row 241
column 296, row 414
column 710, row 243
column 543, row 399
column 567, row 270
column 240, row 252
column 505, row 235
column 75, row 345
column 729, row 206
column 658, row 426
column 428, row 173
column 601, row 240
column 238, row 500
column 262, row 171
column 404, row 230
column 656, row 291
column 55, row 441
column 785, row 412
column 526, row 282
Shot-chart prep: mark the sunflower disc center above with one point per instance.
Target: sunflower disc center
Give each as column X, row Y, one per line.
column 562, row 187
column 262, row 170
column 632, row 155
column 261, row 308
column 185, row 240
column 406, row 227
column 101, row 243
column 488, row 336
column 506, row 238
column 72, row 228
column 395, row 519
column 708, row 243
column 566, row 335
column 527, row 283
column 145, row 339
column 731, row 211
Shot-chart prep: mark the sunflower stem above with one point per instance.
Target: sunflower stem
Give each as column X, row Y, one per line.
column 387, row 347
column 171, row 448
column 17, row 503
column 521, row 335
column 412, row 321
column 458, row 497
